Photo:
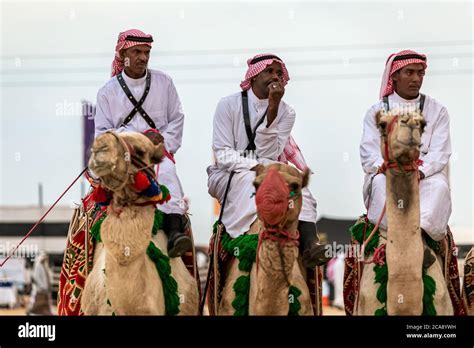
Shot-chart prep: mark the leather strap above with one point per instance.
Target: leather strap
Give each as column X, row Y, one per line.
column 248, row 129
column 225, row 197
column 137, row 104
column 422, row 102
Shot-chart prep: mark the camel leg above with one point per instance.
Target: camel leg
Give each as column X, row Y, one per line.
column 187, row 288
column 367, row 300
column 228, row 294
column 94, row 299
column 304, row 299
column 441, row 299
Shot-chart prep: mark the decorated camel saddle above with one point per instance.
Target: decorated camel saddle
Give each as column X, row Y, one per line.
column 401, row 270
column 260, row 272
column 116, row 260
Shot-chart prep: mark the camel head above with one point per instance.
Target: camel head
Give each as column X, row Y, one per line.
column 401, row 135
column 278, row 196
column 116, row 158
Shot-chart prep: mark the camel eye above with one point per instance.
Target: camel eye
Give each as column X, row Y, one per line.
column 139, row 152
column 102, row 148
column 383, row 125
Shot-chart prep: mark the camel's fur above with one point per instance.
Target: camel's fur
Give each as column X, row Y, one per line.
column 269, row 287
column 404, row 244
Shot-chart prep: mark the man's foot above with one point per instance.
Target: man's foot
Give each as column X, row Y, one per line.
column 178, row 241
column 315, row 255
column 179, row 245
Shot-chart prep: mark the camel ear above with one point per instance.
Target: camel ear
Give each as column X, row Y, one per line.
column 306, row 173
column 258, row 169
column 158, row 153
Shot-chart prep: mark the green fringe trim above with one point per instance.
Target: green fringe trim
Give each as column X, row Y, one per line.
column 381, row 277
column 162, row 264
column 170, row 287
column 429, row 289
column 157, row 225
column 295, row 304
column 214, row 227
column 431, row 243
column 244, row 248
column 357, row 232
column 157, row 222
column 242, row 293
column 95, row 230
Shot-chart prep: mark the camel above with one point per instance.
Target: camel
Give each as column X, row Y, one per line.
column 278, row 265
column 124, row 280
column 404, row 244
column 468, row 282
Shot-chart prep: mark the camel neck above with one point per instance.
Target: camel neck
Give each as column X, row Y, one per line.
column 404, row 246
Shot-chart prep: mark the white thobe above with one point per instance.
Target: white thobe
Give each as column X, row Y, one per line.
column 164, row 108
column 40, row 299
column 435, row 194
column 336, row 277
column 229, row 142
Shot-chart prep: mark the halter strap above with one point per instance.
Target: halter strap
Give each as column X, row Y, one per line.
column 393, row 165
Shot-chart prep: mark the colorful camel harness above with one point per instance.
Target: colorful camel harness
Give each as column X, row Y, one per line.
column 144, row 180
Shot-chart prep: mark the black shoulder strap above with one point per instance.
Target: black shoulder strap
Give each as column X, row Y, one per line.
column 386, row 104
column 137, row 104
column 225, row 197
column 422, row 102
column 248, row 129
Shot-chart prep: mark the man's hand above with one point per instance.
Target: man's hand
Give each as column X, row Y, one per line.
column 276, row 92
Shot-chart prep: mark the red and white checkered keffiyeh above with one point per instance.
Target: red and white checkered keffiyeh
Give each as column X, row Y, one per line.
column 291, row 152
column 393, row 66
column 122, row 44
column 255, row 69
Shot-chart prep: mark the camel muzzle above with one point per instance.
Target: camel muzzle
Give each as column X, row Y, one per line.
column 272, row 199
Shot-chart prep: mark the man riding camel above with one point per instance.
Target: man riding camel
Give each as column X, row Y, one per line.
column 139, row 99
column 253, row 127
column 400, row 90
